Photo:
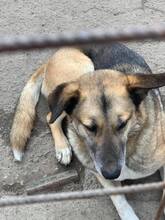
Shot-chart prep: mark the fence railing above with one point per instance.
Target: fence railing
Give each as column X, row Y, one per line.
column 28, row 42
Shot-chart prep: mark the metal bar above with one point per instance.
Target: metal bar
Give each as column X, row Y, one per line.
column 160, row 209
column 28, row 42
column 42, row 198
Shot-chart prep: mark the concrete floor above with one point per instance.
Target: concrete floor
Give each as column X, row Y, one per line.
column 25, row 17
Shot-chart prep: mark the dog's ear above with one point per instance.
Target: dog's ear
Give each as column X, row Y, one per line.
column 140, row 84
column 63, row 98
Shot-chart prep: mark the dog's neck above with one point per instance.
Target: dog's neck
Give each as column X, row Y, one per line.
column 143, row 156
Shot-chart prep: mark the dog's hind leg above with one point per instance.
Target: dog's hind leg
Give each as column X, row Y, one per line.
column 62, row 146
column 124, row 210
column 25, row 113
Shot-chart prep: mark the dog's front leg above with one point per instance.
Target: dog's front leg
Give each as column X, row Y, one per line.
column 62, row 146
column 124, row 210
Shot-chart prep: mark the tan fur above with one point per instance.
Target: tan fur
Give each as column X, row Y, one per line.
column 71, row 64
column 145, row 155
column 65, row 65
column 62, row 146
column 25, row 113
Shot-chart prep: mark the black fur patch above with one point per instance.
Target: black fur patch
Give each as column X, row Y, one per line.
column 71, row 103
column 64, row 125
column 137, row 95
column 58, row 104
column 118, row 57
column 104, row 103
column 55, row 103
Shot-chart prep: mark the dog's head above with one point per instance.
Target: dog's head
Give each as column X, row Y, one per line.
column 103, row 110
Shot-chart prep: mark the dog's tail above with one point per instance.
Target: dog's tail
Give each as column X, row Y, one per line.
column 25, row 113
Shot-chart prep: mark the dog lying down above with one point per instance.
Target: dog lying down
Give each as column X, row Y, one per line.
column 112, row 117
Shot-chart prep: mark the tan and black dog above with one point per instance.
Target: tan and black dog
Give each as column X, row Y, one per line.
column 113, row 118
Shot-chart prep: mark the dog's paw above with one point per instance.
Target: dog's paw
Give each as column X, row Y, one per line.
column 64, row 155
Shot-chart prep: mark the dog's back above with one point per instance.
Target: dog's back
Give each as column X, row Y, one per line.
column 65, row 65
column 118, row 57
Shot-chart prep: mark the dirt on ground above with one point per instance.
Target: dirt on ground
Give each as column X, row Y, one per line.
column 33, row 17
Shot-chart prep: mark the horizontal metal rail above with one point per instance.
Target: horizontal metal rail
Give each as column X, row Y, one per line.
column 28, row 42
column 63, row 196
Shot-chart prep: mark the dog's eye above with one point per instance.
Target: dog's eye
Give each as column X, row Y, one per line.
column 91, row 128
column 121, row 124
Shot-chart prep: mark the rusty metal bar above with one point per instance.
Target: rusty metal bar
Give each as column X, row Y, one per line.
column 160, row 209
column 28, row 42
column 43, row 198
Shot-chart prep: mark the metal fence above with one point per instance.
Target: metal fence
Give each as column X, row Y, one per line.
column 17, row 43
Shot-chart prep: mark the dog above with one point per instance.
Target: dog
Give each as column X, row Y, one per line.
column 112, row 117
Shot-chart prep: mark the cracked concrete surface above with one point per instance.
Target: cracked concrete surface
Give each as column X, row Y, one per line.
column 25, row 17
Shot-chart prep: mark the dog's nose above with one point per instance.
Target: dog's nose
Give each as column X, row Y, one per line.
column 111, row 173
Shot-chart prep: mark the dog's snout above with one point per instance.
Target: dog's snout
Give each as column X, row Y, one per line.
column 111, row 172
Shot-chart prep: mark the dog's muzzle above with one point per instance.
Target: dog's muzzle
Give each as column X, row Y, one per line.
column 110, row 165
column 111, row 171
